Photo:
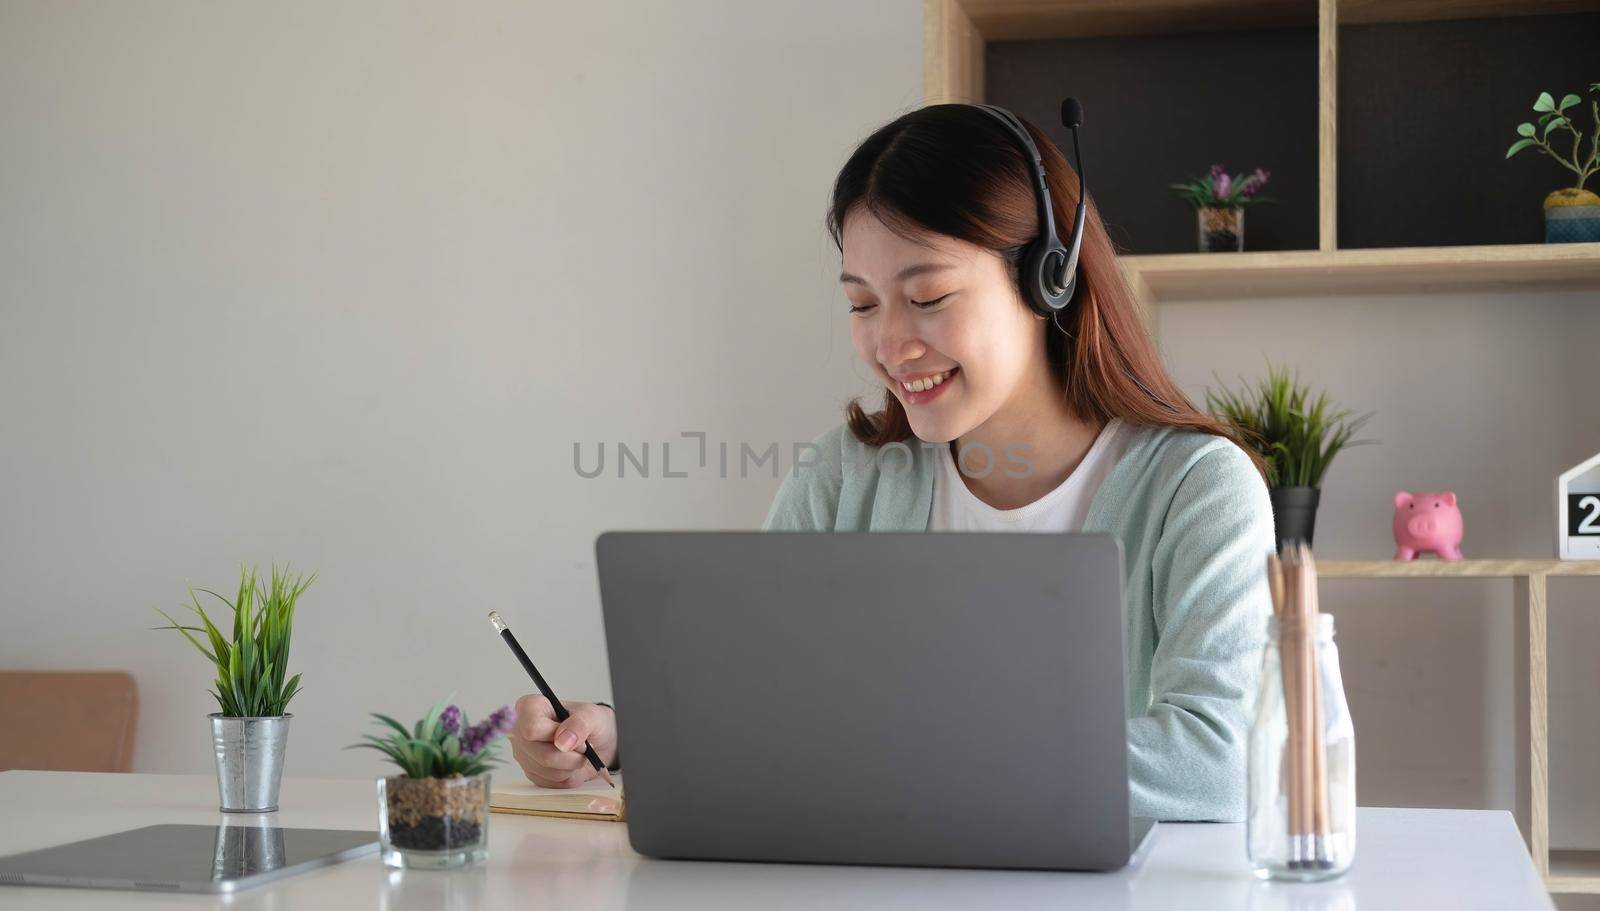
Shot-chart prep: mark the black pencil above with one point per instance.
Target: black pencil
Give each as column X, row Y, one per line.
column 538, row 680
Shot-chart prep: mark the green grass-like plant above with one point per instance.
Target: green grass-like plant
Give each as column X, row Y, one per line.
column 1298, row 437
column 442, row 744
column 252, row 662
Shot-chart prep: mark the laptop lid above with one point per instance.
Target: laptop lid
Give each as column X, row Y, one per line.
column 944, row 699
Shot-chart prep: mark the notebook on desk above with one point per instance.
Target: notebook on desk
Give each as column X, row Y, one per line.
column 593, row 799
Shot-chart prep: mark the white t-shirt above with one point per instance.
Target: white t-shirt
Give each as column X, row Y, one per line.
column 956, row 508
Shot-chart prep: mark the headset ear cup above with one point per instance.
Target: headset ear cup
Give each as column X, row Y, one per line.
column 1032, row 278
column 1042, row 277
column 1048, row 283
column 1069, row 287
column 1058, row 279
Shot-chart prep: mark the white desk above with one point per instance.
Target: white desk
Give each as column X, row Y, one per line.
column 1405, row 859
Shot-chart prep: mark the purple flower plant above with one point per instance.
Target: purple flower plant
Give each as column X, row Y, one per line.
column 1219, row 189
column 442, row 744
column 1221, row 185
column 475, row 738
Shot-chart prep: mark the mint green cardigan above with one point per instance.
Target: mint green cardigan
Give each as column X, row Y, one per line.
column 1196, row 526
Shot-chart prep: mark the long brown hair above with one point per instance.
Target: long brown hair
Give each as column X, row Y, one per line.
column 952, row 169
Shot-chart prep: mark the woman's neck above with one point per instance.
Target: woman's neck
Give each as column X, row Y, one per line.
column 1035, row 435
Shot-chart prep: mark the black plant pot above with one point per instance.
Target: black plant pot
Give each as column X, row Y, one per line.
column 1294, row 511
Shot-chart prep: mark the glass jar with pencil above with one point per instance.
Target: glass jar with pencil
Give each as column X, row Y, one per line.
column 1301, row 822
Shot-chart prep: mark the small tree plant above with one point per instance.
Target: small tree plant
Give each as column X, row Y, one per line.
column 1554, row 118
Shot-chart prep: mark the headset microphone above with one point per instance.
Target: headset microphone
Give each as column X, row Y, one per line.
column 1049, row 270
column 1072, row 113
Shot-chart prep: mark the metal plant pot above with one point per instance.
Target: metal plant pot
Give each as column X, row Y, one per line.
column 249, row 761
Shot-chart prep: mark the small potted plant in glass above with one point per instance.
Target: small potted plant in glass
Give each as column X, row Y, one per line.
column 1219, row 200
column 1571, row 214
column 436, row 814
column 253, row 690
column 1297, row 438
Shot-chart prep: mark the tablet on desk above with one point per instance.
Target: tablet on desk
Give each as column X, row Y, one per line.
column 185, row 858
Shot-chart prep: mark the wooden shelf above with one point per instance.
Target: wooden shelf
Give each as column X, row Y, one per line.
column 1031, row 20
column 1212, row 276
column 1430, row 568
column 955, row 35
column 1574, row 871
column 1361, row 12
column 1563, row 871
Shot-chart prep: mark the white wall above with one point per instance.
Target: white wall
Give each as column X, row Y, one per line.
column 342, row 284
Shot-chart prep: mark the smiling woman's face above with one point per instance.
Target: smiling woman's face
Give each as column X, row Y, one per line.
column 939, row 322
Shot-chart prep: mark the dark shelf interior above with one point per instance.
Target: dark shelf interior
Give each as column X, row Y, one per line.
column 1159, row 109
column 1426, row 113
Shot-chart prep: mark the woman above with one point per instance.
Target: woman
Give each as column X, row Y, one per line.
column 995, row 418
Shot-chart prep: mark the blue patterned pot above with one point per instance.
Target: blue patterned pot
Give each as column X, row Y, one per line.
column 1572, row 216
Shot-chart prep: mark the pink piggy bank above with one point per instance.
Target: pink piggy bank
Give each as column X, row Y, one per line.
column 1427, row 522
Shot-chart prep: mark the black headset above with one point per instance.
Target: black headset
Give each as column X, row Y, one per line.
column 1049, row 271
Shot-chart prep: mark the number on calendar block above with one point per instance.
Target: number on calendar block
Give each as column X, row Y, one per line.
column 1578, row 511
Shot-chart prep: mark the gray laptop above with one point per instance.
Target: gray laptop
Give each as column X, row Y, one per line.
column 945, row 699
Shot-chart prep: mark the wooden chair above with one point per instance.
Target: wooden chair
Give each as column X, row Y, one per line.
column 67, row 721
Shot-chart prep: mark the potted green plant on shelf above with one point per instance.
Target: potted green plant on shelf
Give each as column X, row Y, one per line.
column 253, row 689
column 436, row 813
column 1219, row 200
column 1571, row 214
column 1296, row 436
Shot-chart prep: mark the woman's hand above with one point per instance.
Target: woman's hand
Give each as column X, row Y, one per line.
column 551, row 752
